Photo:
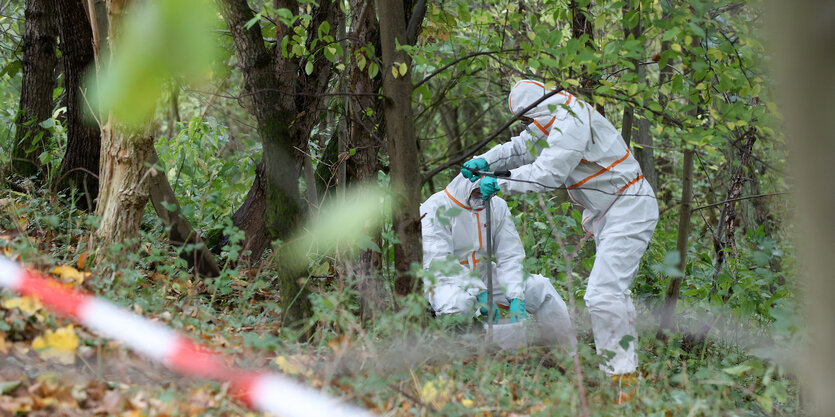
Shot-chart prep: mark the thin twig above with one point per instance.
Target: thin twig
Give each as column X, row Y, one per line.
column 569, row 281
column 739, row 199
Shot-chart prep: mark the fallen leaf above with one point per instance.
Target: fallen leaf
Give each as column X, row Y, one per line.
column 28, row 305
column 436, row 392
column 82, row 260
column 295, row 365
column 67, row 272
column 8, row 387
column 59, row 344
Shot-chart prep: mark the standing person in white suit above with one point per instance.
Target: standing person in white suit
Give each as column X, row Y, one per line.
column 585, row 153
column 454, row 232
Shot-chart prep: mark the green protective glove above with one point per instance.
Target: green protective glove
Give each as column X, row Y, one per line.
column 517, row 310
column 478, row 163
column 489, row 186
column 482, row 307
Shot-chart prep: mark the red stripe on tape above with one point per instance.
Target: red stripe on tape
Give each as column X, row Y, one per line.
column 53, row 294
column 193, row 359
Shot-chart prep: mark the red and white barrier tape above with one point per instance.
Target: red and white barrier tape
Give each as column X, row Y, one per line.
column 272, row 393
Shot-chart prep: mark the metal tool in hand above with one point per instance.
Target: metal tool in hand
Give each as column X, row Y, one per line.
column 489, row 264
column 495, row 174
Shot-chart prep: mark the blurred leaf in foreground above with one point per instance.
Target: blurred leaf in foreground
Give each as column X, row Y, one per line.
column 158, row 40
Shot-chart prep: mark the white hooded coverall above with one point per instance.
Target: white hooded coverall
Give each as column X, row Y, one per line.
column 586, row 153
column 454, row 245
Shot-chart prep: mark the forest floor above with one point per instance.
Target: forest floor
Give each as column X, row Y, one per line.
column 402, row 364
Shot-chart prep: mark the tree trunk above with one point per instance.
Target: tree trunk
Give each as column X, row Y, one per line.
column 124, row 187
column 39, row 61
column 282, row 203
column 724, row 237
column 80, row 166
column 668, row 313
column 581, row 25
column 180, row 232
column 402, row 144
column 638, row 125
column 803, row 29
column 364, row 111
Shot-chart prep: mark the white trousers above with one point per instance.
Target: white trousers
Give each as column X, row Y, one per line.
column 621, row 237
column 541, row 300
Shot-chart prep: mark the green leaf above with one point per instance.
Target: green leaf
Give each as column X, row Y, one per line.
column 737, row 370
column 308, row 68
column 373, row 69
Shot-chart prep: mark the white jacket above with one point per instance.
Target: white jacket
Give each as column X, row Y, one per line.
column 574, row 145
column 454, row 231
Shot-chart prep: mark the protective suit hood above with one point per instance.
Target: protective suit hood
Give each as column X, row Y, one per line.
column 525, row 93
column 460, row 189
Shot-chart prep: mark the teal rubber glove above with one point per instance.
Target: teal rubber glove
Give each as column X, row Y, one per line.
column 489, row 186
column 482, row 306
column 517, row 310
column 478, row 163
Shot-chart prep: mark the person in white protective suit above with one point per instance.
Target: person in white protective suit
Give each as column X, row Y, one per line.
column 454, row 230
column 587, row 154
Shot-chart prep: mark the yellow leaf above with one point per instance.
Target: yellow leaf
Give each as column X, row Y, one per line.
column 28, row 305
column 294, row 365
column 436, row 392
column 676, row 47
column 466, row 402
column 402, row 68
column 394, row 71
column 67, row 272
column 59, row 344
column 4, row 347
column 571, row 81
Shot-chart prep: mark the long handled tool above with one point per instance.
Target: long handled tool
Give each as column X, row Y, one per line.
column 489, row 263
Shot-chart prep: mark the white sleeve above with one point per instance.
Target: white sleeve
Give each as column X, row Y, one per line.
column 566, row 143
column 511, row 154
column 509, row 252
column 438, row 251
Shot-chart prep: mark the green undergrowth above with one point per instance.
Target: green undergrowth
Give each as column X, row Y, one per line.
column 727, row 359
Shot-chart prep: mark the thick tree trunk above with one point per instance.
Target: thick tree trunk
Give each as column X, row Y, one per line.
column 39, row 61
column 264, row 78
column 80, row 166
column 364, row 111
column 803, row 29
column 180, row 232
column 402, row 144
column 124, row 186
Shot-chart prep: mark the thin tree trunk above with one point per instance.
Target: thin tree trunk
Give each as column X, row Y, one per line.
column 668, row 313
column 581, row 25
column 724, row 237
column 80, row 166
column 39, row 62
column 402, row 144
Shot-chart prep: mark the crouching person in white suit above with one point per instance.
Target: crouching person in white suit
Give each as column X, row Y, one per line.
column 454, row 247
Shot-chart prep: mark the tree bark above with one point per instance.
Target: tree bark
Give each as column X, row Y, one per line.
column 668, row 313
column 402, row 144
column 264, row 78
column 581, row 25
column 724, row 237
column 638, row 125
column 80, row 166
column 180, row 232
column 39, row 62
column 124, row 187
